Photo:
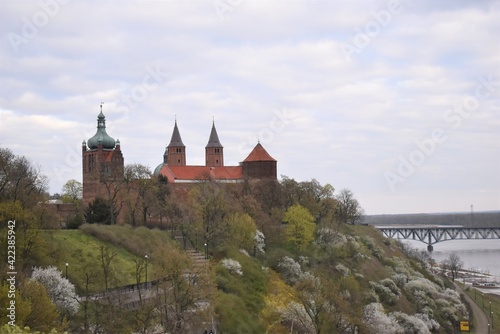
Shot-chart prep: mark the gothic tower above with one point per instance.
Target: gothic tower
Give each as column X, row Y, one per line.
column 102, row 161
column 175, row 154
column 214, row 155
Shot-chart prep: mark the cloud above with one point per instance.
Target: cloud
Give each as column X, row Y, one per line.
column 349, row 122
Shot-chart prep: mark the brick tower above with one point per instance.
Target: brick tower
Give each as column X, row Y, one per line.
column 175, row 153
column 214, row 155
column 102, row 161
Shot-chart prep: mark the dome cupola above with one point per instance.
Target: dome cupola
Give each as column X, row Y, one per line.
column 101, row 137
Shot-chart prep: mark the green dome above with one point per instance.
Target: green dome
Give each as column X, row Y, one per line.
column 101, row 136
column 158, row 169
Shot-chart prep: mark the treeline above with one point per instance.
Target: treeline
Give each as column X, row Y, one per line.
column 476, row 219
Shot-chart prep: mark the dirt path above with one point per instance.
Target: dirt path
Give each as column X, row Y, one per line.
column 481, row 321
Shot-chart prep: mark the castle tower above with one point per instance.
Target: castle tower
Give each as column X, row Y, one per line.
column 102, row 160
column 214, row 155
column 259, row 164
column 175, row 154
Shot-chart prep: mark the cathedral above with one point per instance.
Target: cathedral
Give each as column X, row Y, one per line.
column 103, row 163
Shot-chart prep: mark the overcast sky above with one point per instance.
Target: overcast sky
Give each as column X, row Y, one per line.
column 397, row 101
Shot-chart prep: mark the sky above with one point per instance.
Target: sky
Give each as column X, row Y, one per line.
column 398, row 101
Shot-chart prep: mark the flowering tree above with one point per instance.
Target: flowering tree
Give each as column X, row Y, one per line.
column 260, row 242
column 290, row 270
column 379, row 322
column 233, row 266
column 60, row 290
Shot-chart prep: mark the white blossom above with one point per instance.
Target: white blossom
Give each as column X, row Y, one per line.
column 379, row 322
column 244, row 252
column 342, row 269
column 260, row 243
column 328, row 238
column 385, row 294
column 233, row 266
column 290, row 270
column 410, row 323
column 431, row 324
column 61, row 291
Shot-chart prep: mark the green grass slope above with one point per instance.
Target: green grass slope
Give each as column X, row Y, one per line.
column 84, row 250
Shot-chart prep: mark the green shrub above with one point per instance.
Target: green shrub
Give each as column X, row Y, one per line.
column 232, row 315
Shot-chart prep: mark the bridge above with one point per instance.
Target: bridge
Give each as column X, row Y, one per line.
column 434, row 234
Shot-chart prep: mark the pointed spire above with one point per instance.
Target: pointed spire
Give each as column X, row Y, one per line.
column 213, row 141
column 176, row 140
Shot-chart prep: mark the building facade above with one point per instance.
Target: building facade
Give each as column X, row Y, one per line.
column 257, row 165
column 103, row 164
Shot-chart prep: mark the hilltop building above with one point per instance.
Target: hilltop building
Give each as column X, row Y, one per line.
column 103, row 164
column 258, row 165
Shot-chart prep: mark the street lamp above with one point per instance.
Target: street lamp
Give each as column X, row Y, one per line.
column 146, row 257
column 67, row 264
column 491, row 313
column 483, row 299
column 490, row 307
column 206, row 251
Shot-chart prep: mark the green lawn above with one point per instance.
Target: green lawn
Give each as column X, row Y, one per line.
column 82, row 252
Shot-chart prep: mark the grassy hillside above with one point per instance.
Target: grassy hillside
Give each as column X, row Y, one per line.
column 84, row 250
column 346, row 271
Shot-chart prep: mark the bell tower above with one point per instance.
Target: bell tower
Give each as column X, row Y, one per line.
column 175, row 154
column 214, row 155
column 102, row 161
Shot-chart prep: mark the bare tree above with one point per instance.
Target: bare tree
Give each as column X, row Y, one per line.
column 106, row 255
column 453, row 263
column 348, row 209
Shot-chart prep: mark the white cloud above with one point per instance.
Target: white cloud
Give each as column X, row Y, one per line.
column 352, row 120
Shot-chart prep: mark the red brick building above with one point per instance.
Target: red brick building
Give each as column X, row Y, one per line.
column 258, row 165
column 103, row 164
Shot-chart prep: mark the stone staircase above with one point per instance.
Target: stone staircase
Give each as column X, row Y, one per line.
column 198, row 258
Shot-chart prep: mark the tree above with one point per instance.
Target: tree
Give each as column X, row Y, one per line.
column 184, row 285
column 141, row 190
column 453, row 263
column 348, row 209
column 98, row 212
column 106, row 257
column 43, row 315
column 72, row 192
column 241, row 231
column 300, row 226
column 27, row 228
column 22, row 306
column 211, row 205
column 60, row 290
column 20, row 180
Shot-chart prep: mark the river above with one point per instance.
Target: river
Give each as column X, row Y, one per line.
column 477, row 254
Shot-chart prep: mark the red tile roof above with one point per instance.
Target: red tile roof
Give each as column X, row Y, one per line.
column 259, row 154
column 195, row 173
